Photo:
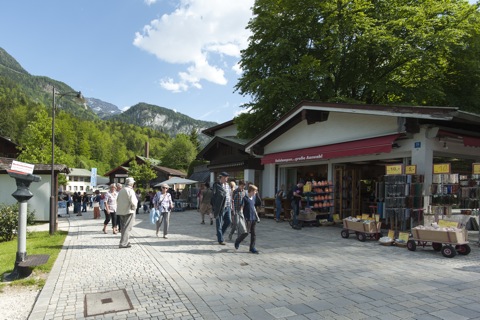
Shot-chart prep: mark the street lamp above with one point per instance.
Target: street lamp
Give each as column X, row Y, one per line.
column 53, row 191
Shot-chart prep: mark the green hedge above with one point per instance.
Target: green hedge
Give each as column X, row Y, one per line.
column 9, row 221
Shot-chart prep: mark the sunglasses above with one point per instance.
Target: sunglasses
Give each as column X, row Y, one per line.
column 164, row 188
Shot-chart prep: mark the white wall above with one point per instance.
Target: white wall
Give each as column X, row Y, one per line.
column 40, row 202
column 340, row 127
column 230, row 131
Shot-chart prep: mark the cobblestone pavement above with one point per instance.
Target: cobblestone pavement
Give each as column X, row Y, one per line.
column 311, row 273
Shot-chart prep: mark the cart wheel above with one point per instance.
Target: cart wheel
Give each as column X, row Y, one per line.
column 436, row 246
column 411, row 245
column 345, row 234
column 361, row 236
column 463, row 249
column 449, row 251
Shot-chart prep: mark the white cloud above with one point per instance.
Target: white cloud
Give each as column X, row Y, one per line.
column 198, row 34
column 150, row 2
column 237, row 69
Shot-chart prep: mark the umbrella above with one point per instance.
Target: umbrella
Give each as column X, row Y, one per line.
column 176, row 180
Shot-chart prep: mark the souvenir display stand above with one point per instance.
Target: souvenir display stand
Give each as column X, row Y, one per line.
column 319, row 198
column 403, row 205
column 470, row 198
column 268, row 207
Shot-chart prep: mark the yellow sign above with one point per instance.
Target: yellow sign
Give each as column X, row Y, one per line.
column 403, row 236
column 412, row 169
column 476, row 168
column 336, row 217
column 359, row 217
column 377, row 218
column 391, row 234
column 365, row 216
column 445, row 223
column 441, row 168
column 393, row 169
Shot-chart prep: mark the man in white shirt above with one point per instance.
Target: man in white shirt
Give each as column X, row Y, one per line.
column 126, row 206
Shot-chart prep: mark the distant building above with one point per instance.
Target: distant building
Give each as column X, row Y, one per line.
column 120, row 173
column 79, row 180
column 8, row 149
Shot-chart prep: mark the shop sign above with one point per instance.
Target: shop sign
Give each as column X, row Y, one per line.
column 441, row 168
column 418, row 144
column 476, row 168
column 393, row 169
column 411, row 169
column 121, row 175
column 300, row 158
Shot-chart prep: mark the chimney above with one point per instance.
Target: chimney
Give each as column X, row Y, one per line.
column 147, row 150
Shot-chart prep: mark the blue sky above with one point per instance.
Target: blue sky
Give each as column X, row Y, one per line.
column 178, row 54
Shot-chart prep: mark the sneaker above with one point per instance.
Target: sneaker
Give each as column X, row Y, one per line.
column 165, row 237
column 222, row 243
column 254, row 251
column 127, row 246
column 237, row 245
column 211, row 222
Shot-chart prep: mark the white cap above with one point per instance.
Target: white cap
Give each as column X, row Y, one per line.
column 130, row 181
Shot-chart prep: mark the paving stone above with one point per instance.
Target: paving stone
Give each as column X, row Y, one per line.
column 308, row 274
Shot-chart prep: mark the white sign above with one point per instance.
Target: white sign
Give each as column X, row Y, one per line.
column 22, row 167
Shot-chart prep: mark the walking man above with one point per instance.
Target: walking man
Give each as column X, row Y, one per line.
column 222, row 206
column 126, row 206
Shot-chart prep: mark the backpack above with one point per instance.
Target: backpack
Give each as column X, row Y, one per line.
column 290, row 195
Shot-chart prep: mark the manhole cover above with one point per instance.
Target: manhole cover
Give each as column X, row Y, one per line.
column 107, row 302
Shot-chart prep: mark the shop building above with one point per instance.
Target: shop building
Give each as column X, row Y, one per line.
column 346, row 149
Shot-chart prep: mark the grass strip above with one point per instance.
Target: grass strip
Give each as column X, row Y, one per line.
column 37, row 243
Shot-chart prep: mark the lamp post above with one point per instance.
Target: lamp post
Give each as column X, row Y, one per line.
column 53, row 190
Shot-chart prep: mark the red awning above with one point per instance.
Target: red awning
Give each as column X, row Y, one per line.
column 345, row 149
column 471, row 141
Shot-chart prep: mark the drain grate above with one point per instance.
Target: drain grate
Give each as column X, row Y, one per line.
column 106, row 302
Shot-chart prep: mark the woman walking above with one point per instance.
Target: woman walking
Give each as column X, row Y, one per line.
column 111, row 208
column 205, row 205
column 164, row 204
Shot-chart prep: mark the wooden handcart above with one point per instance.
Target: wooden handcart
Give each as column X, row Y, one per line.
column 448, row 242
column 363, row 231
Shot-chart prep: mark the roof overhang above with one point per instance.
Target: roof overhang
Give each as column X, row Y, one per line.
column 320, row 113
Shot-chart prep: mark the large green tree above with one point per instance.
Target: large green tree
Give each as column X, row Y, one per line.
column 362, row 51
column 179, row 153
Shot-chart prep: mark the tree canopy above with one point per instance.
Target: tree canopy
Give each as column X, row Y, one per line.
column 368, row 51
